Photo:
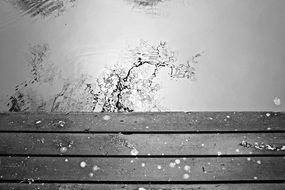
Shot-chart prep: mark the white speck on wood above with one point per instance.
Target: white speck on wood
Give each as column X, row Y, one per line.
column 134, row 152
column 187, row 168
column 172, row 164
column 177, row 161
column 106, row 117
column 95, row 168
column 186, row 176
column 61, row 123
column 63, row 149
column 83, row 164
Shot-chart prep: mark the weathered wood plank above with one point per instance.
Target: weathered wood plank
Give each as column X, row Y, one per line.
column 161, row 121
column 142, row 144
column 15, row 186
column 142, row 169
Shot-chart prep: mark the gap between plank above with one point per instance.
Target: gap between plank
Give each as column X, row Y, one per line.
column 144, row 132
column 147, row 182
column 143, row 156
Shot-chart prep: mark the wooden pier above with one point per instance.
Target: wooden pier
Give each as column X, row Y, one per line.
column 141, row 151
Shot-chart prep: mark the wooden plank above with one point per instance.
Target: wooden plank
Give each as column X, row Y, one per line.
column 160, row 121
column 44, row 186
column 142, row 169
column 142, row 144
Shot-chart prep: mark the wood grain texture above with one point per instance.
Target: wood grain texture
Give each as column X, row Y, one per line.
column 144, row 122
column 145, row 144
column 45, row 186
column 211, row 150
column 143, row 169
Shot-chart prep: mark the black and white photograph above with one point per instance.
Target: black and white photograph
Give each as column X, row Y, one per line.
column 142, row 95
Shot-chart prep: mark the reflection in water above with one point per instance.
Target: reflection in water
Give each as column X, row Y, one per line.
column 235, row 73
column 147, row 6
column 122, row 88
column 43, row 8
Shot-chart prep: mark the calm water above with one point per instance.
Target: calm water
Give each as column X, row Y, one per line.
column 180, row 55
